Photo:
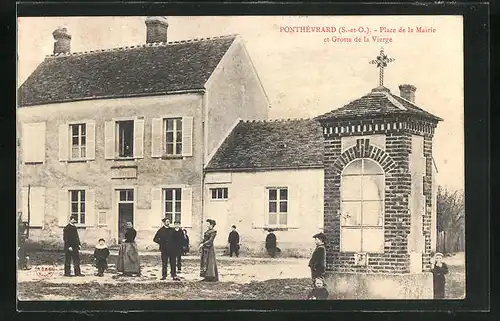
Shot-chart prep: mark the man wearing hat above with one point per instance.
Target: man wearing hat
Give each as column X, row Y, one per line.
column 317, row 263
column 165, row 238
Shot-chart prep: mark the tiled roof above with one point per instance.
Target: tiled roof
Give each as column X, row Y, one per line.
column 380, row 101
column 278, row 144
column 124, row 72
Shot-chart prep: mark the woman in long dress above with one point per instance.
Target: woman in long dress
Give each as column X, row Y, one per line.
column 208, row 265
column 128, row 256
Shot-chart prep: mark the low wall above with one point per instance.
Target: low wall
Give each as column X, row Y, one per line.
column 379, row 286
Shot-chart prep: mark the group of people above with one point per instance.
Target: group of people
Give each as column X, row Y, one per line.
column 317, row 264
column 174, row 242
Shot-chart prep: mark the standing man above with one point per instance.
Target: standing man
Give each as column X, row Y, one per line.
column 233, row 241
column 72, row 247
column 178, row 238
column 164, row 238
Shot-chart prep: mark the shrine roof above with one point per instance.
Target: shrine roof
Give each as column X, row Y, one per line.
column 379, row 102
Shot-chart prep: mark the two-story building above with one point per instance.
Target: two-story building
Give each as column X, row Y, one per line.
column 124, row 134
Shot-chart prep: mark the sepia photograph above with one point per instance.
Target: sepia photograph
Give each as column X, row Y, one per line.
column 240, row 158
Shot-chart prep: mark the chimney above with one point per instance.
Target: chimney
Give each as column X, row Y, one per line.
column 156, row 29
column 407, row 92
column 62, row 39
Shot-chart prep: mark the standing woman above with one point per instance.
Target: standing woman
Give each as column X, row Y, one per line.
column 208, row 266
column 128, row 256
column 439, row 269
column 185, row 246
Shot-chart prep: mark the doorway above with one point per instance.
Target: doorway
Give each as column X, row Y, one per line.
column 125, row 199
column 218, row 209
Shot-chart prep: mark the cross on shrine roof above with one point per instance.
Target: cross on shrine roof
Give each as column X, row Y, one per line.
column 382, row 61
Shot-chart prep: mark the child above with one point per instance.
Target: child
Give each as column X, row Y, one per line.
column 319, row 292
column 439, row 269
column 101, row 254
column 317, row 263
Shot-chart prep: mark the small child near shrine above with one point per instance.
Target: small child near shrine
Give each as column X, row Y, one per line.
column 319, row 292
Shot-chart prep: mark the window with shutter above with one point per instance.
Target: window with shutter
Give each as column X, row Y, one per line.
column 33, row 142
column 187, row 207
column 36, row 203
column 156, row 207
column 63, row 142
column 259, row 206
column 90, row 140
column 138, row 138
column 187, row 136
column 109, row 140
column 156, row 137
column 63, row 216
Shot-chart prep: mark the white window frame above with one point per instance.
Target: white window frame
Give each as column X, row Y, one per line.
column 175, row 132
column 175, row 190
column 70, row 203
column 362, row 227
column 70, row 145
column 278, row 209
column 224, row 193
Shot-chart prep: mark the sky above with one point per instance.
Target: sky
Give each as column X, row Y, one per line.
column 303, row 74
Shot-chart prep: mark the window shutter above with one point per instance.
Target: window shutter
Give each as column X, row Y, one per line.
column 187, row 207
column 63, row 207
column 24, row 204
column 37, row 204
column 90, row 215
column 156, row 137
column 90, row 150
column 259, row 206
column 156, row 207
column 139, row 138
column 294, row 208
column 187, row 136
column 63, row 142
column 109, row 140
column 33, row 142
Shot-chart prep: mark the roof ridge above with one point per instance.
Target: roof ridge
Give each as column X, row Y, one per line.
column 395, row 102
column 139, row 46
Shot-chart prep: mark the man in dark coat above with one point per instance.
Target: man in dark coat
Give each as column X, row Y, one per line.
column 164, row 237
column 179, row 241
column 233, row 241
column 317, row 263
column 271, row 243
column 72, row 247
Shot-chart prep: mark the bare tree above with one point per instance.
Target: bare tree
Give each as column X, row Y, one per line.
column 450, row 218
